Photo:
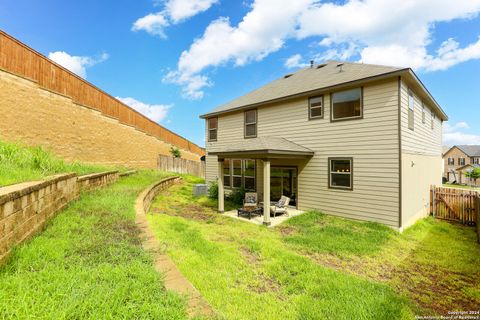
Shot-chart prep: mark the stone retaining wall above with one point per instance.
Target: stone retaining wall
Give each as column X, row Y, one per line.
column 25, row 208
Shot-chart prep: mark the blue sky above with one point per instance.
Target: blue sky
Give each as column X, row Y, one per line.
column 176, row 59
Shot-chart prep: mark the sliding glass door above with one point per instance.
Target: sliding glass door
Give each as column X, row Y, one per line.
column 283, row 181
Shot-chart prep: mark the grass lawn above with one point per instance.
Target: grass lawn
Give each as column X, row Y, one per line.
column 19, row 163
column 89, row 264
column 461, row 186
column 317, row 266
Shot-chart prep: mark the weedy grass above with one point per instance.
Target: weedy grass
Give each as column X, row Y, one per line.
column 19, row 163
column 89, row 264
column 247, row 271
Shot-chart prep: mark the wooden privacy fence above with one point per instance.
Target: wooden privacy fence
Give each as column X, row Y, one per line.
column 179, row 165
column 455, row 204
column 19, row 59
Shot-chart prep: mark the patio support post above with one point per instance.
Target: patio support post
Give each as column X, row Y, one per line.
column 221, row 192
column 266, row 192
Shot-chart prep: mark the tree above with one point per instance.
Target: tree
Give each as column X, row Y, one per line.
column 175, row 152
column 473, row 174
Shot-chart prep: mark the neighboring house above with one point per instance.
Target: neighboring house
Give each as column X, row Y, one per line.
column 458, row 160
column 354, row 140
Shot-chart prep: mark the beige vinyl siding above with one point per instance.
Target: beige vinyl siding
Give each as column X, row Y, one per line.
column 421, row 158
column 373, row 143
column 422, row 140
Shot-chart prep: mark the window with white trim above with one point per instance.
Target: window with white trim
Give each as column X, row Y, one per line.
column 239, row 173
column 451, row 161
column 315, row 107
column 411, row 110
column 340, row 173
column 461, row 161
column 227, row 179
column 476, row 160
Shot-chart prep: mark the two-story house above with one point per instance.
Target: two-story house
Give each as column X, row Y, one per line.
column 459, row 159
column 354, row 140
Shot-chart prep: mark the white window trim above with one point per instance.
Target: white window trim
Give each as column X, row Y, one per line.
column 330, row 172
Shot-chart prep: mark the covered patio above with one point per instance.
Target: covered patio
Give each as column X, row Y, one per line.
column 264, row 149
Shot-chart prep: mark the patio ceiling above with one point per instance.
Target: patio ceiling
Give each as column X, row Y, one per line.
column 262, row 148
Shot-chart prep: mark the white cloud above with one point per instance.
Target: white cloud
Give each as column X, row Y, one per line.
column 175, row 11
column 295, row 62
column 395, row 32
column 76, row 64
column 455, row 135
column 262, row 31
column 156, row 112
column 153, row 23
column 180, row 10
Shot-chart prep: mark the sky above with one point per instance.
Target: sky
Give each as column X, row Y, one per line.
column 174, row 60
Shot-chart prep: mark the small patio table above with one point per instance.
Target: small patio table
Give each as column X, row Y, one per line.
column 249, row 213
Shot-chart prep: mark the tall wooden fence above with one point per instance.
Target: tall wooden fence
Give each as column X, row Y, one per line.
column 455, row 204
column 17, row 58
column 178, row 165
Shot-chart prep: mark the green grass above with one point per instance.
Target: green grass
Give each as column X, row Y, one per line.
column 89, row 264
column 19, row 163
column 461, row 186
column 247, row 271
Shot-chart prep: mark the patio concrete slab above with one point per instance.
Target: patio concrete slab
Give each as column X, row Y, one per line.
column 256, row 219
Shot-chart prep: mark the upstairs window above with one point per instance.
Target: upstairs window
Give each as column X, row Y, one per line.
column 340, row 173
column 433, row 120
column 423, row 113
column 347, row 105
column 250, row 124
column 411, row 110
column 476, row 160
column 451, row 161
column 315, row 107
column 461, row 161
column 212, row 129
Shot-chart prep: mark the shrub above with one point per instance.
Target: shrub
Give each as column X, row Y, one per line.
column 175, row 152
column 213, row 190
column 237, row 196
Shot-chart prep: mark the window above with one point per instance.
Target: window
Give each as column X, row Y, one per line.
column 432, row 120
column 340, row 173
column 346, row 105
column 315, row 107
column 227, row 181
column 249, row 174
column 239, row 173
column 212, row 129
column 461, row 161
column 250, row 124
column 476, row 160
column 451, row 161
column 423, row 113
column 411, row 110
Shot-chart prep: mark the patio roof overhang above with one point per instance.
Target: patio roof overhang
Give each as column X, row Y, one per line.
column 262, row 148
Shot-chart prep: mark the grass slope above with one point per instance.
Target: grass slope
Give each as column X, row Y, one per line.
column 89, row 264
column 251, row 272
column 19, row 163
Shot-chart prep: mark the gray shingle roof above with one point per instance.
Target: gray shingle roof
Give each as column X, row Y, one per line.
column 275, row 145
column 308, row 79
column 470, row 150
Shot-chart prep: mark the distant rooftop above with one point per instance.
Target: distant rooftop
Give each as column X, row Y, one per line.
column 470, row 150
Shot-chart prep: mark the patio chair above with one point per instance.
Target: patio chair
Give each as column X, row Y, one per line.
column 250, row 202
column 281, row 207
